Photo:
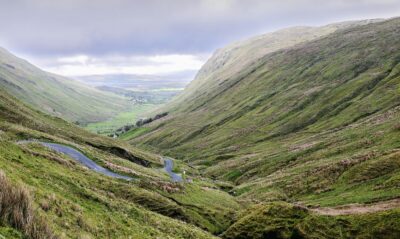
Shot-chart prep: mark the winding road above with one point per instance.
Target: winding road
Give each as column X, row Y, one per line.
column 168, row 166
column 81, row 158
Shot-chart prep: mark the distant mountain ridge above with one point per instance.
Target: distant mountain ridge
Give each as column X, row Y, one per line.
column 57, row 95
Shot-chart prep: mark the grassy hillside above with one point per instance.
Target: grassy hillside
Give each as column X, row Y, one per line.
column 226, row 64
column 56, row 95
column 45, row 194
column 314, row 121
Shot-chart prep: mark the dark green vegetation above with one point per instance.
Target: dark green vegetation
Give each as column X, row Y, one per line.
column 307, row 115
column 56, row 95
column 69, row 201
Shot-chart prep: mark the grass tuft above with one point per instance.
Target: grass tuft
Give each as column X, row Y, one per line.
column 17, row 211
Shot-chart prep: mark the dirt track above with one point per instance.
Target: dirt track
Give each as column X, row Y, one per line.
column 358, row 208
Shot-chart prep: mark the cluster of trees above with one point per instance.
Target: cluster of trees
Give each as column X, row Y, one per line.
column 149, row 120
column 139, row 123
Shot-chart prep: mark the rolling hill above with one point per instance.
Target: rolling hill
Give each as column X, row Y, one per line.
column 57, row 95
column 304, row 115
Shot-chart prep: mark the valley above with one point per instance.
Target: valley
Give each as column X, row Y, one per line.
column 109, row 126
column 289, row 134
column 146, row 94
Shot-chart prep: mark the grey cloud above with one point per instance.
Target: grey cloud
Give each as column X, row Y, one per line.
column 66, row 27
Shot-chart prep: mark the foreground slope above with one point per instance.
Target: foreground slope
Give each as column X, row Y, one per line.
column 57, row 95
column 316, row 123
column 45, row 194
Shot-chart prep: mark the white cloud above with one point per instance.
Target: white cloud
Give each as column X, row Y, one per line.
column 83, row 65
column 78, row 59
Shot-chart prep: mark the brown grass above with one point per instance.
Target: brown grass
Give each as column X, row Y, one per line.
column 397, row 127
column 162, row 185
column 16, row 210
column 50, row 156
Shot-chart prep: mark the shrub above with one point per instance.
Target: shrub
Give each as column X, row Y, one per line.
column 17, row 211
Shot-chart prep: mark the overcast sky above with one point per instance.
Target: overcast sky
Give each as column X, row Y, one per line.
column 84, row 37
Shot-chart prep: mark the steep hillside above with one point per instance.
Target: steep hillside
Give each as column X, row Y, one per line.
column 316, row 122
column 45, row 194
column 57, row 95
column 225, row 64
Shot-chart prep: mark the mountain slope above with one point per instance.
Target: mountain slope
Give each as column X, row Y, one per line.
column 44, row 194
column 57, row 95
column 227, row 63
column 316, row 123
